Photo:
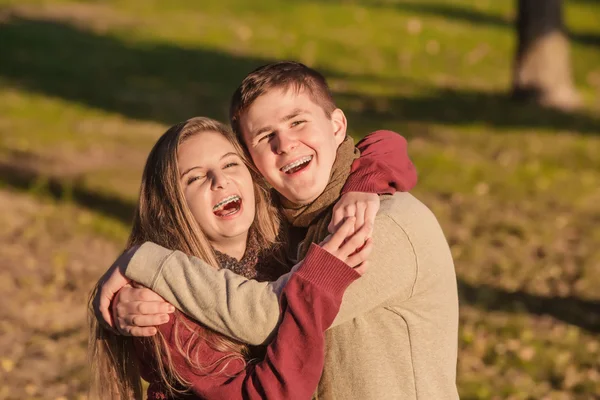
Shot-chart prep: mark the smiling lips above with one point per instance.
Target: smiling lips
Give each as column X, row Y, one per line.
column 297, row 165
column 228, row 206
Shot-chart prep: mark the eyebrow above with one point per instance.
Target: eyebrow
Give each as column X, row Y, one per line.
column 231, row 153
column 293, row 114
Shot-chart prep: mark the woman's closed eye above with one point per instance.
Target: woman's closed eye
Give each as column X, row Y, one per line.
column 192, row 179
column 231, row 164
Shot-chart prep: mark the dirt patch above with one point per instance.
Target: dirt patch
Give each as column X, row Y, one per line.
column 48, row 266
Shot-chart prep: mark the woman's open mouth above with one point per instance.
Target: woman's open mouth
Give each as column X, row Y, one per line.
column 297, row 165
column 227, row 207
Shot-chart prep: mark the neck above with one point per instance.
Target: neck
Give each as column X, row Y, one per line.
column 234, row 247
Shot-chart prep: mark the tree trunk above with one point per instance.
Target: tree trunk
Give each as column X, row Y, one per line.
column 542, row 71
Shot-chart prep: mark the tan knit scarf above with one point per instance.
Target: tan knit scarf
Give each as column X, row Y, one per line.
column 316, row 215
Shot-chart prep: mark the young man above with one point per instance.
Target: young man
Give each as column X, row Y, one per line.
column 395, row 336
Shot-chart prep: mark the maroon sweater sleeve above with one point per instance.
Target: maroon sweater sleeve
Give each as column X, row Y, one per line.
column 383, row 167
column 294, row 360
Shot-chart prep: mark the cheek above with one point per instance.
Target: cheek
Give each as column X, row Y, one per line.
column 243, row 180
column 315, row 142
column 325, row 147
column 263, row 160
column 197, row 204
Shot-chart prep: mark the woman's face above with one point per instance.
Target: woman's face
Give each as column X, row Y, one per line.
column 217, row 186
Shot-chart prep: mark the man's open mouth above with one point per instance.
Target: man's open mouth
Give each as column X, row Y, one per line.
column 228, row 206
column 297, row 165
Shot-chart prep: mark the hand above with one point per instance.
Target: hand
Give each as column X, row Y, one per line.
column 108, row 285
column 363, row 206
column 137, row 310
column 351, row 248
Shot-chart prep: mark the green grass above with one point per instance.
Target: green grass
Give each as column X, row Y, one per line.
column 86, row 88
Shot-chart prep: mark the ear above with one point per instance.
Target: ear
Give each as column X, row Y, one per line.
column 339, row 122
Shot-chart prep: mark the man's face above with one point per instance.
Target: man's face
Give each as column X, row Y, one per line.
column 292, row 142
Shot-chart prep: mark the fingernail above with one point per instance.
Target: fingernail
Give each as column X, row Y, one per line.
column 171, row 309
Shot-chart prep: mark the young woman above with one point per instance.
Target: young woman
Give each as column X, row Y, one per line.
column 200, row 196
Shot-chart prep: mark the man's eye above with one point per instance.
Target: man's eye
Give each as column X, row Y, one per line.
column 268, row 136
column 299, row 122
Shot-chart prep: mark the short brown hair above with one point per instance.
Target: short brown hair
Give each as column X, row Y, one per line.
column 280, row 75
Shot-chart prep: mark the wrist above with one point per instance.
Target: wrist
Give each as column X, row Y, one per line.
column 126, row 257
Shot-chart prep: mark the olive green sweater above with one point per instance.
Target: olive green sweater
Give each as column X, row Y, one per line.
column 395, row 336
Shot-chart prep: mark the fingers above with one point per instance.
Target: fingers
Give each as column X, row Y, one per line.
column 359, row 259
column 102, row 311
column 141, row 321
column 140, row 325
column 325, row 241
column 336, row 218
column 362, row 267
column 143, row 308
column 335, row 221
column 110, row 283
column 363, row 206
column 370, row 214
column 138, row 308
column 340, row 235
column 139, row 332
column 130, row 294
column 102, row 301
column 341, row 212
column 360, row 216
column 355, row 241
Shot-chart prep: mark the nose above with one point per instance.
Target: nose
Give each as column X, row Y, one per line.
column 284, row 143
column 219, row 180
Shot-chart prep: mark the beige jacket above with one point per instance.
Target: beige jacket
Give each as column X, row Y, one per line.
column 395, row 336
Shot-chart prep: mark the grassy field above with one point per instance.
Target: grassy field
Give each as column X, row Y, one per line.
column 87, row 87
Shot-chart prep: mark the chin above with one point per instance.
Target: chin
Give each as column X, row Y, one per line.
column 304, row 199
column 234, row 233
column 309, row 195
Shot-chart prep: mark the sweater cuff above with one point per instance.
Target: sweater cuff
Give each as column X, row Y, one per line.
column 375, row 182
column 326, row 271
column 147, row 263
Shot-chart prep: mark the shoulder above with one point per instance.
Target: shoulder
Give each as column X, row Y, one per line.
column 404, row 209
column 404, row 212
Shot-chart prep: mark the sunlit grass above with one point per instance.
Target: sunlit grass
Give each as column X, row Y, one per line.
column 87, row 87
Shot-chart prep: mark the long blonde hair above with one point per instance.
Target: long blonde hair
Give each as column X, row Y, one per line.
column 163, row 217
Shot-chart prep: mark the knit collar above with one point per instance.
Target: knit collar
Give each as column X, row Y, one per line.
column 259, row 263
column 246, row 266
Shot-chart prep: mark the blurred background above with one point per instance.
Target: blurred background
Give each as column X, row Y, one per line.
column 500, row 101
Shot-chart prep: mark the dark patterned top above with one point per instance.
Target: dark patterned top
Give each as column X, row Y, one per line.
column 259, row 264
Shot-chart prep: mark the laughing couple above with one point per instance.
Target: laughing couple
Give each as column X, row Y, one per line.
column 294, row 265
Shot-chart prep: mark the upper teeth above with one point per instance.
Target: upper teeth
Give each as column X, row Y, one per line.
column 226, row 200
column 296, row 163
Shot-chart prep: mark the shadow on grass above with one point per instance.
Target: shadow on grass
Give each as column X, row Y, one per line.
column 474, row 17
column 572, row 310
column 153, row 81
column 463, row 107
column 28, row 179
column 166, row 83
